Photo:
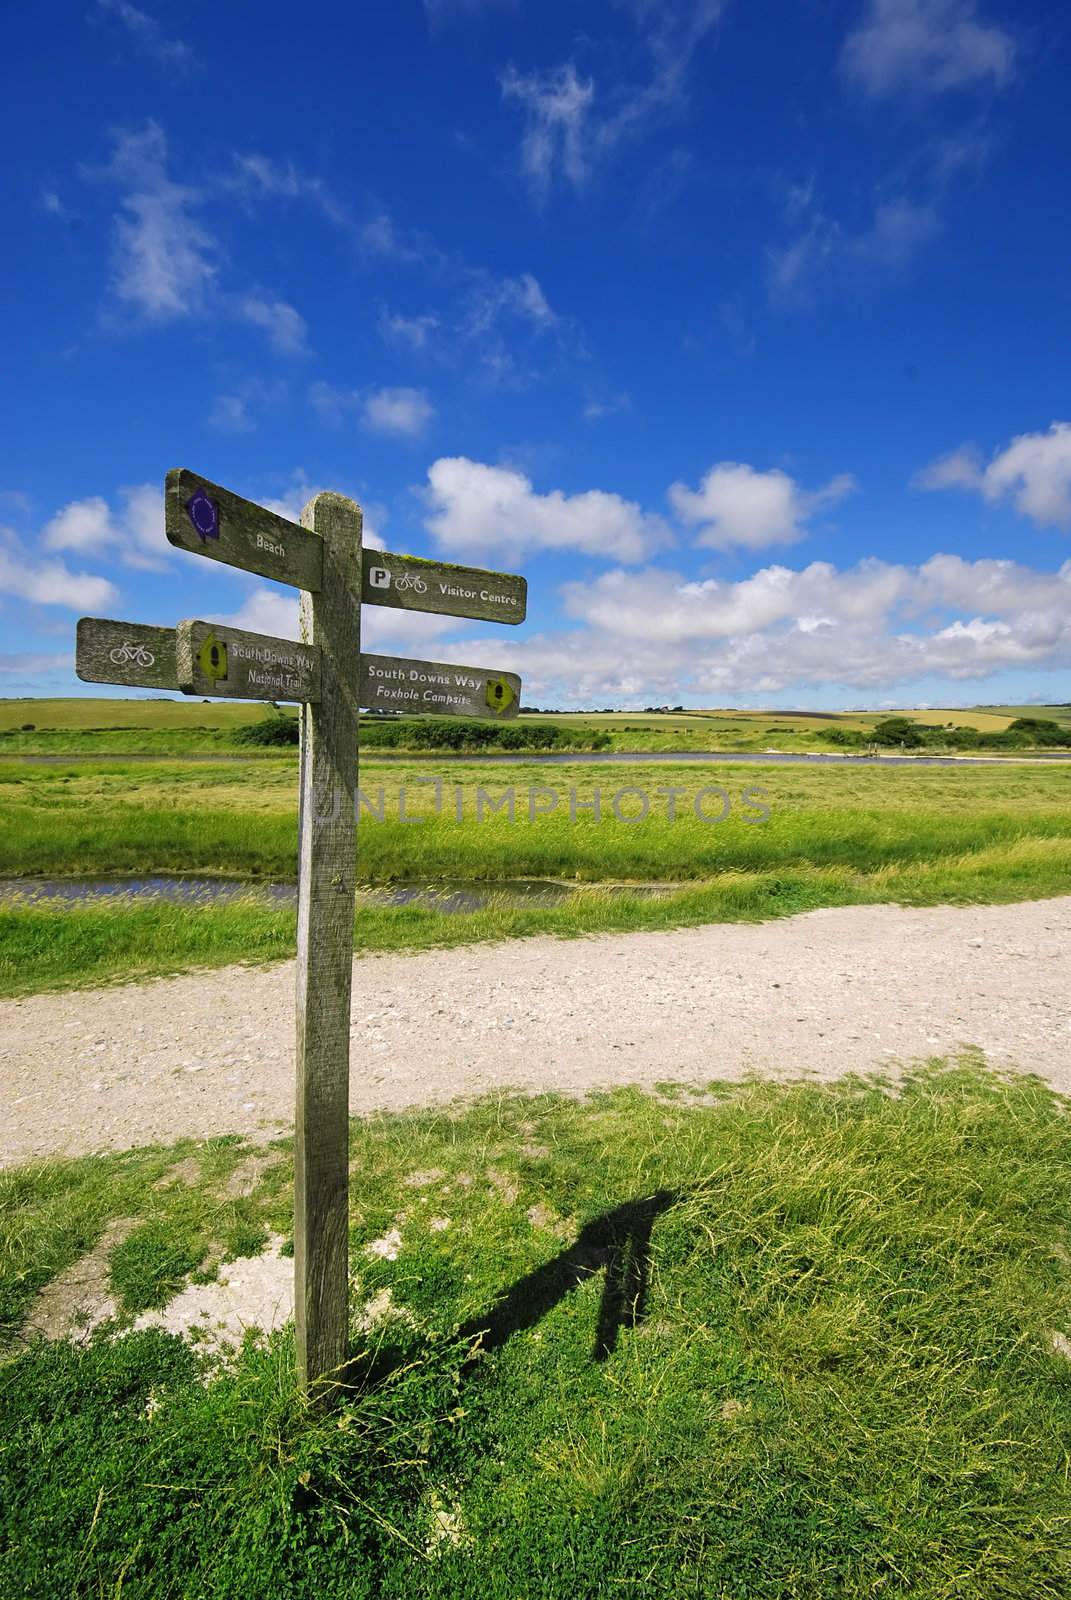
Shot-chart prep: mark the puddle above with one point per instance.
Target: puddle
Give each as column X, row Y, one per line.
column 451, row 895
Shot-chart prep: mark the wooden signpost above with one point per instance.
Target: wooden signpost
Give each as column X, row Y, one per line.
column 330, row 679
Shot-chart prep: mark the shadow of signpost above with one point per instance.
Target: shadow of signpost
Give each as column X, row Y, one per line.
column 618, row 1241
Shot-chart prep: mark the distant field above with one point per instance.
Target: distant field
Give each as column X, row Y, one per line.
column 183, row 727
column 1060, row 714
column 108, row 715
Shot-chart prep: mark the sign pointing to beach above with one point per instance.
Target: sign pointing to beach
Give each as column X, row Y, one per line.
column 213, row 522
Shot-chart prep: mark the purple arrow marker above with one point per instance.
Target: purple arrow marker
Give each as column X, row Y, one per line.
column 203, row 512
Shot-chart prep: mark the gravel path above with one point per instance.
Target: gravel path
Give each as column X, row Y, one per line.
column 820, row 994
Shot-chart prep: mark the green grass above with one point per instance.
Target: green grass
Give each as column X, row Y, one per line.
column 841, row 1380
column 835, row 836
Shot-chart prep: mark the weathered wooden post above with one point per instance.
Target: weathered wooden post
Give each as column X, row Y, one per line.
column 330, row 679
column 327, row 869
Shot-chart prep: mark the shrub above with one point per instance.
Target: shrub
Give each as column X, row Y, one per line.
column 898, row 730
column 273, row 730
column 1041, row 731
column 463, row 734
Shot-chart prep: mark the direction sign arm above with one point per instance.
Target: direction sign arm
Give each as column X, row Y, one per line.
column 125, row 652
column 210, row 521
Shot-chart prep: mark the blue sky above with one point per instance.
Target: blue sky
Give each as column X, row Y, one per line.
column 741, row 330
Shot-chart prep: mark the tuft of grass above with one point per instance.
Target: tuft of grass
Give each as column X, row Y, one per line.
column 773, row 1340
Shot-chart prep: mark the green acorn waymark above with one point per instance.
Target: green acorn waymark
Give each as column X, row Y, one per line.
column 213, row 658
column 499, row 694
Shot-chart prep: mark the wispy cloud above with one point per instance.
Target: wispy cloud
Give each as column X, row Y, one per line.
column 256, row 176
column 611, row 406
column 148, row 35
column 925, row 47
column 285, row 328
column 414, row 332
column 500, row 317
column 571, row 126
column 163, row 262
column 53, row 206
column 825, row 252
column 230, row 414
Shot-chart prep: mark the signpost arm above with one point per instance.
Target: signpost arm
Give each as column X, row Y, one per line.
column 327, row 877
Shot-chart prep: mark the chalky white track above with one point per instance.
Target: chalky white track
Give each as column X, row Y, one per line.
column 818, row 995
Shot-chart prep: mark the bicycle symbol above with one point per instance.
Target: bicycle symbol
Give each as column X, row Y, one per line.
column 410, row 580
column 136, row 655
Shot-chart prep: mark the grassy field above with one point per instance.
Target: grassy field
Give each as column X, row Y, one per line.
column 179, row 726
column 779, row 1341
column 834, row 836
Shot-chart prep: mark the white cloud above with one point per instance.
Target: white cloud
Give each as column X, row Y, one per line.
column 135, row 533
column 399, row 411
column 148, row 35
column 925, row 47
column 1034, row 472
column 735, row 505
column 265, row 611
column 50, row 583
column 162, row 261
column 405, row 412
column 496, row 512
column 655, row 636
column 285, row 328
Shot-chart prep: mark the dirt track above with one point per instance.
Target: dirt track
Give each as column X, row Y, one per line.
column 817, row 995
